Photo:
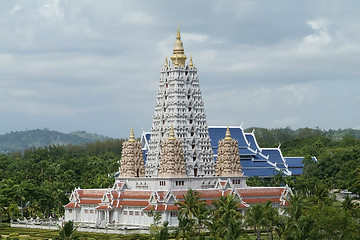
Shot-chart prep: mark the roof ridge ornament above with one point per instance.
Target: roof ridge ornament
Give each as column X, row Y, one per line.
column 166, row 62
column 132, row 136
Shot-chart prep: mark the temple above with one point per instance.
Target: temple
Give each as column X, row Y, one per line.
column 181, row 152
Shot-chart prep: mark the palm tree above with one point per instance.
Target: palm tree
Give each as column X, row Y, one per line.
column 270, row 214
column 191, row 200
column 295, row 209
column 227, row 216
column 185, row 226
column 304, row 229
column 255, row 218
column 163, row 233
column 280, row 225
column 67, row 232
column 201, row 214
column 188, row 209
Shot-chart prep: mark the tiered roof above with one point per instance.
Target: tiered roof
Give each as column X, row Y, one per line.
column 255, row 161
column 106, row 199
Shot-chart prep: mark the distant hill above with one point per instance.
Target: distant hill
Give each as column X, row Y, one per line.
column 21, row 140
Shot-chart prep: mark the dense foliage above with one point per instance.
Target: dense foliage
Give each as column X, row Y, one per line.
column 39, row 180
column 21, row 140
column 311, row 216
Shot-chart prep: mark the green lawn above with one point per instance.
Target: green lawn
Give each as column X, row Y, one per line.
column 27, row 234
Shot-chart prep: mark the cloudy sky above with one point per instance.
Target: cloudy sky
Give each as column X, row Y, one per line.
column 94, row 65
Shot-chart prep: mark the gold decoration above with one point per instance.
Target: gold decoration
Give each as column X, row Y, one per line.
column 166, row 62
column 191, row 64
column 178, row 52
column 171, row 134
column 132, row 136
column 227, row 134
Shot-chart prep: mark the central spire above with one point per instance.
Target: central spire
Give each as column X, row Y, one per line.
column 178, row 58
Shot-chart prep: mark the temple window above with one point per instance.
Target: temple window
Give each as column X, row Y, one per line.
column 162, row 183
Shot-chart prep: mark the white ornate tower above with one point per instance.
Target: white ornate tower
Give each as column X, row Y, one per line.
column 179, row 104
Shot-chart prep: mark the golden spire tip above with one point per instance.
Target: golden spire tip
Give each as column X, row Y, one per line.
column 191, row 64
column 171, row 134
column 132, row 136
column 227, row 134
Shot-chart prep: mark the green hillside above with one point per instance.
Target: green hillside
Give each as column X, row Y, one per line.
column 21, row 140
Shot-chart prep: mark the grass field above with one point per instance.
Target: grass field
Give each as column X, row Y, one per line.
column 28, row 234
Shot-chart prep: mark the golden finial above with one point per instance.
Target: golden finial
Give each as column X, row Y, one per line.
column 171, row 134
column 176, row 62
column 227, row 134
column 178, row 51
column 165, row 65
column 191, row 64
column 178, row 33
column 132, row 136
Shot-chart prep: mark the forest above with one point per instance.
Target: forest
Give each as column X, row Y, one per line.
column 38, row 181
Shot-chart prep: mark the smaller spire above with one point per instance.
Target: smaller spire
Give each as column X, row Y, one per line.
column 166, row 62
column 171, row 134
column 132, row 136
column 227, row 134
column 191, row 64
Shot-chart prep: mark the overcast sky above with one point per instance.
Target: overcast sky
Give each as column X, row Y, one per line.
column 94, row 65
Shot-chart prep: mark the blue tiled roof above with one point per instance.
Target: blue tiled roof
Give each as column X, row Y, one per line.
column 148, row 135
column 261, row 172
column 218, row 133
column 250, row 163
column 245, row 151
column 296, row 171
column 294, row 161
column 252, row 141
column 274, row 155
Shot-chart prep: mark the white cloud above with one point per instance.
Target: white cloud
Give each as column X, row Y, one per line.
column 51, row 10
column 313, row 43
column 15, row 9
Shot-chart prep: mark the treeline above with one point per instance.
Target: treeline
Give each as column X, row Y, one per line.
column 39, row 180
column 21, row 140
column 272, row 137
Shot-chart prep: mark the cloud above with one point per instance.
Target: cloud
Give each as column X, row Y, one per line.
column 51, row 10
column 137, row 18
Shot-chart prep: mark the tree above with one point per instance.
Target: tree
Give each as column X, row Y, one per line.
column 254, row 217
column 271, row 214
column 201, row 214
column 185, row 226
column 188, row 207
column 67, row 232
column 304, row 230
column 227, row 217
